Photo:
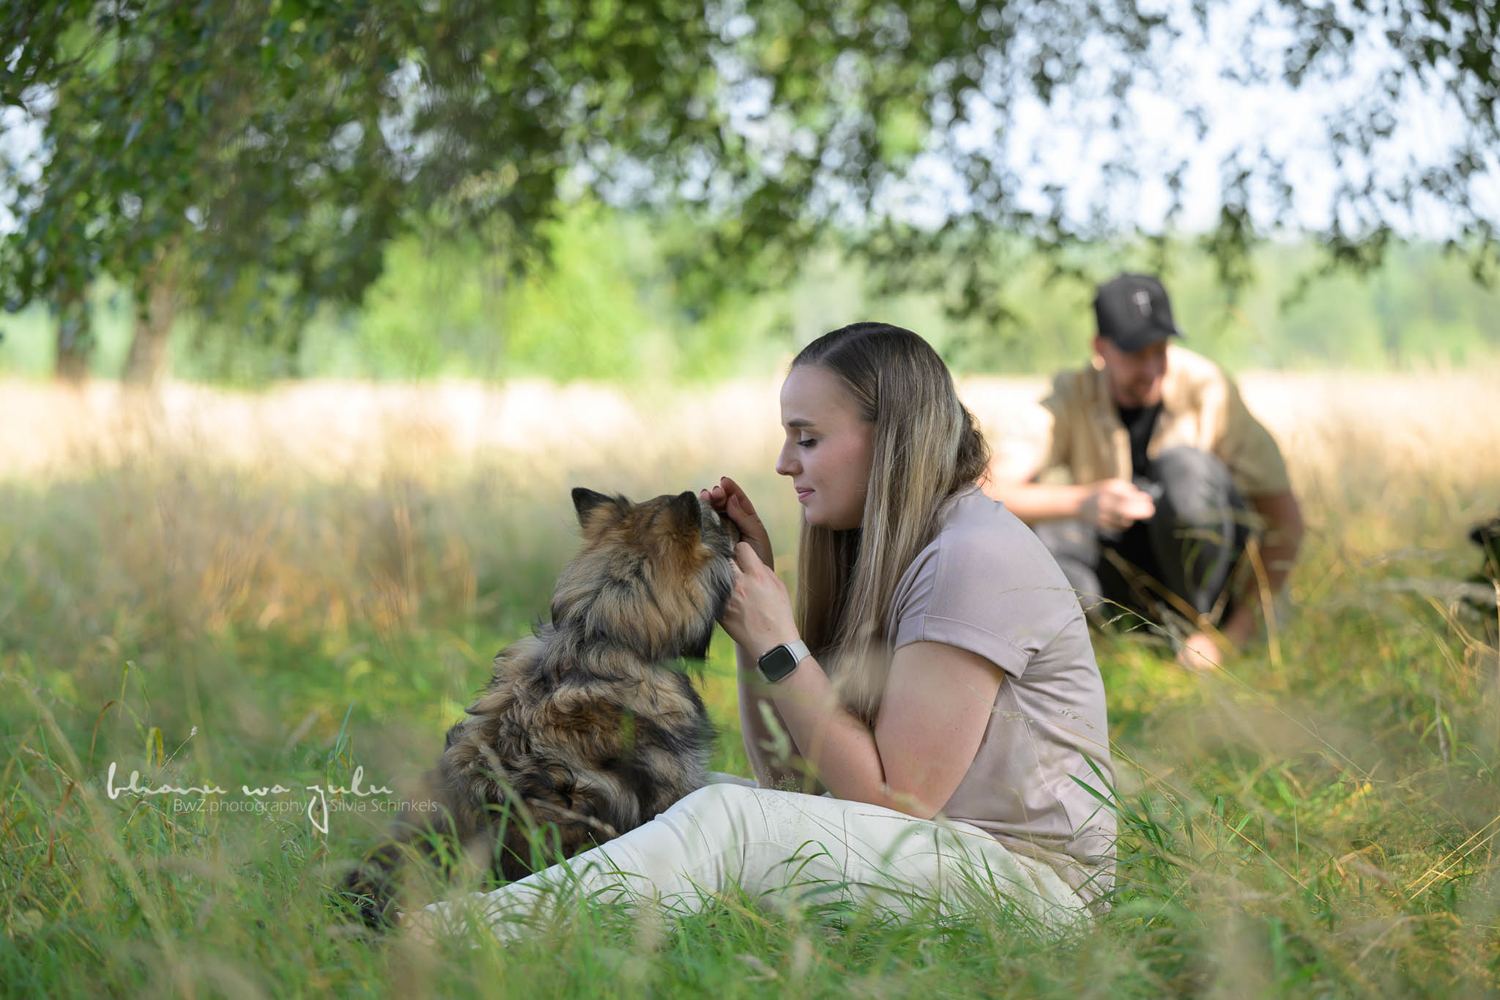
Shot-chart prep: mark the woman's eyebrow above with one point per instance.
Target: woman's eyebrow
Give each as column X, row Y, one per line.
column 798, row 422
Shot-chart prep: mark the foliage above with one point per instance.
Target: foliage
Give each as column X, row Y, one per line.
column 604, row 310
column 261, row 158
column 204, row 147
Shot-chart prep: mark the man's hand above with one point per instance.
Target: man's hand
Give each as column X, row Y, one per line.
column 1116, row 504
column 1200, row 653
column 728, row 498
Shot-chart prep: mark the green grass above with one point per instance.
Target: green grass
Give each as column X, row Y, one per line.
column 1317, row 821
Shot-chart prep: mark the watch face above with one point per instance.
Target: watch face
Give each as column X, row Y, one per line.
column 777, row 663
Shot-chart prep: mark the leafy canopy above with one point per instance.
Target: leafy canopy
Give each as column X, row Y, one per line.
column 236, row 143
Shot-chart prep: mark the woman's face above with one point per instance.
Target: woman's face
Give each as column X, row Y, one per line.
column 828, row 447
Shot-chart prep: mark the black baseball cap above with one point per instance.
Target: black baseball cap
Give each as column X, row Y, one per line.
column 1133, row 312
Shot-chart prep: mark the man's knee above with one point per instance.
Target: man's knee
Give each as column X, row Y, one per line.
column 1074, row 544
column 1197, row 486
column 1069, row 541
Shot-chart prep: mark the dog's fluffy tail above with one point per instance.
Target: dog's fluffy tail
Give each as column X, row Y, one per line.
column 425, row 838
column 370, row 889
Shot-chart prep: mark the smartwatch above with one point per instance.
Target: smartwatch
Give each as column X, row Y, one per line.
column 777, row 663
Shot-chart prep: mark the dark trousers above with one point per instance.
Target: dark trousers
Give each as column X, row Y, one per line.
column 1188, row 549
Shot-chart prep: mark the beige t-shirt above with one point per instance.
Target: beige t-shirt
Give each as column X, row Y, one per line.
column 987, row 584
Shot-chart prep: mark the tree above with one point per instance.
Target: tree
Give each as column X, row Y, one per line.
column 193, row 151
column 218, row 152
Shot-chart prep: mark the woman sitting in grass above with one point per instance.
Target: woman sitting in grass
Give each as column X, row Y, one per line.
column 936, row 665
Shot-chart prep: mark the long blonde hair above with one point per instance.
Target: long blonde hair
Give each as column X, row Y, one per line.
column 927, row 448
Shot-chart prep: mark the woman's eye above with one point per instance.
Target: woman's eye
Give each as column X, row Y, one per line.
column 807, row 442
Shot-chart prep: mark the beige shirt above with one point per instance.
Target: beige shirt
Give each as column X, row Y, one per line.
column 987, row 584
column 1201, row 408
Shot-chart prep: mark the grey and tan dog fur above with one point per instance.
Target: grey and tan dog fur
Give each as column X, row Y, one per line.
column 588, row 728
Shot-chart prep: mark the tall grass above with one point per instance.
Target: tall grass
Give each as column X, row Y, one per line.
column 245, row 590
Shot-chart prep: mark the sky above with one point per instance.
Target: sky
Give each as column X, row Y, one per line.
column 1071, row 140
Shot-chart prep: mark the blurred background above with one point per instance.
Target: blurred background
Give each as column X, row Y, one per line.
column 314, row 312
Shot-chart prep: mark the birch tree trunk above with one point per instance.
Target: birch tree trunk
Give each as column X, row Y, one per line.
column 147, row 361
column 75, row 336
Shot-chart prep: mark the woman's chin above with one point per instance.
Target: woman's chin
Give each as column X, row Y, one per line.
column 815, row 520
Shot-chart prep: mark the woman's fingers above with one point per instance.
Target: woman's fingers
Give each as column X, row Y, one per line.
column 746, row 556
column 751, row 530
column 759, row 612
column 726, row 493
column 727, row 498
column 732, row 489
column 715, row 497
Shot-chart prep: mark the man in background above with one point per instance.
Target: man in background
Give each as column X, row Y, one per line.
column 1151, row 479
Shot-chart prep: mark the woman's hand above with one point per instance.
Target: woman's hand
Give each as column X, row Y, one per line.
column 728, row 498
column 758, row 615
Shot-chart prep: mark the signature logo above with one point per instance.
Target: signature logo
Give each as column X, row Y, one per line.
column 317, row 803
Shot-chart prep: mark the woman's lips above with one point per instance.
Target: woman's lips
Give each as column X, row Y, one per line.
column 802, row 495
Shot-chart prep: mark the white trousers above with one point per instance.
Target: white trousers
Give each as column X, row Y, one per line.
column 785, row 849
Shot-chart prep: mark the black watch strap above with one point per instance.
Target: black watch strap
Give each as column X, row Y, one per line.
column 776, row 663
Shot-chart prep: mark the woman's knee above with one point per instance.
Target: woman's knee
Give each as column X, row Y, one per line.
column 718, row 806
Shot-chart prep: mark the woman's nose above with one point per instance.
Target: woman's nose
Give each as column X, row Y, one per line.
column 785, row 464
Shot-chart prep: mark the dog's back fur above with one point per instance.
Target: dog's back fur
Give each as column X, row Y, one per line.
column 587, row 730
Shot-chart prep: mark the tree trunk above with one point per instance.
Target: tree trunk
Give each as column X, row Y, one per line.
column 147, row 361
column 75, row 336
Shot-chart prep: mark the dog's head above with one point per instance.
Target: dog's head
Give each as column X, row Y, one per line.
column 652, row 576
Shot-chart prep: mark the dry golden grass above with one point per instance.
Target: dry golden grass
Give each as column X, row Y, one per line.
column 1323, row 820
column 358, row 431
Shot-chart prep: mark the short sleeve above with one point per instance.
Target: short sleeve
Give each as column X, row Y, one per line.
column 1057, row 408
column 991, row 589
column 1253, row 457
column 1020, row 450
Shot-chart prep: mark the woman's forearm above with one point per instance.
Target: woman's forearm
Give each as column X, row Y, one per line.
column 839, row 746
column 773, row 755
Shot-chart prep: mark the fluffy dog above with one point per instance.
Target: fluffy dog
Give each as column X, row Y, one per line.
column 586, row 730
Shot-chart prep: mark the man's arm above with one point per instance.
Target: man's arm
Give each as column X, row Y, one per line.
column 1278, row 551
column 1018, row 460
column 1110, row 504
column 1038, row 501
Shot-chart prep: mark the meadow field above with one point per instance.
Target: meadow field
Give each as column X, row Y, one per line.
column 246, row 590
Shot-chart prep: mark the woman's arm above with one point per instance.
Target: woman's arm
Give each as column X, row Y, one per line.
column 937, row 704
column 776, row 766
column 938, row 701
column 779, row 764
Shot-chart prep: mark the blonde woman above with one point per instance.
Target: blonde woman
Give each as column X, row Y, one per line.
column 935, row 676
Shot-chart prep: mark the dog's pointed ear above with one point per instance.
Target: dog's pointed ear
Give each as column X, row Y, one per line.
column 687, row 511
column 586, row 501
